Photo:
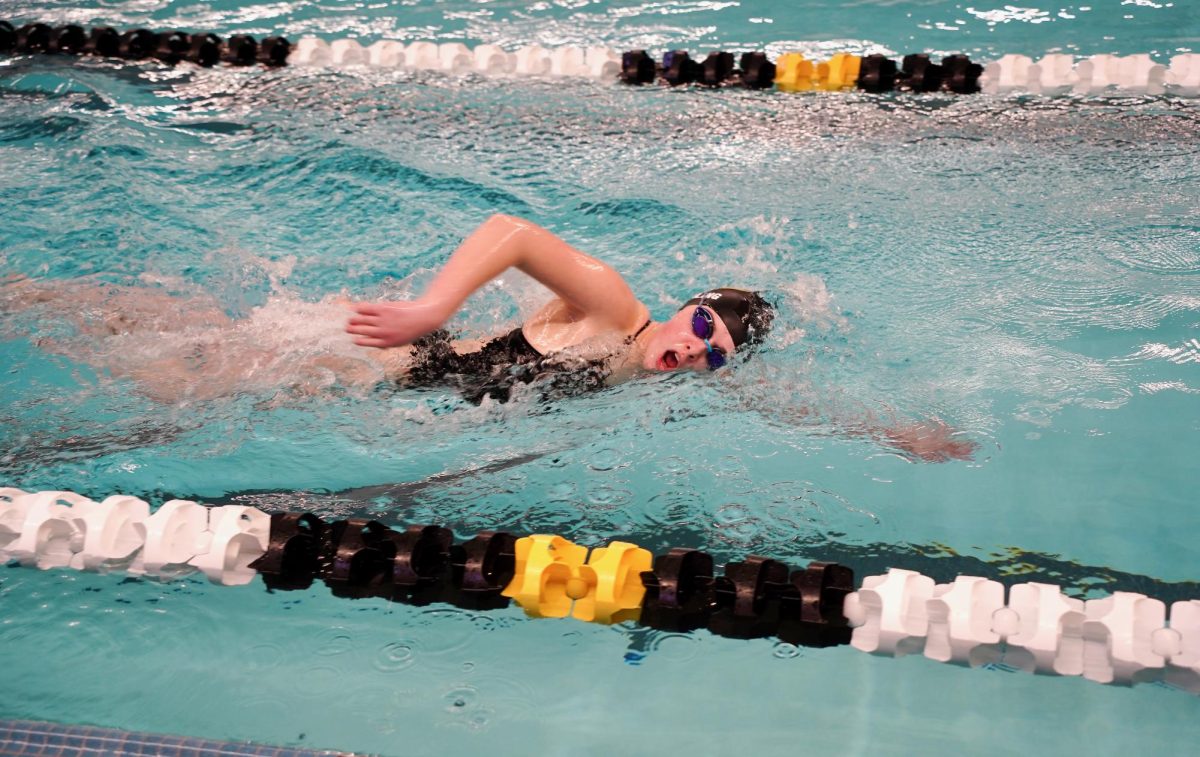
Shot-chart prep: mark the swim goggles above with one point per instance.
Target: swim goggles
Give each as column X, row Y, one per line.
column 704, row 328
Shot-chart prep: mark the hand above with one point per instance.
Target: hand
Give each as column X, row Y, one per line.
column 393, row 324
column 932, row 441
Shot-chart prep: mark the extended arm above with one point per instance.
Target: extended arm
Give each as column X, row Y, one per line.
column 930, row 440
column 591, row 288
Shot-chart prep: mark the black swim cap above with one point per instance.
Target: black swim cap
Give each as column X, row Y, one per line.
column 746, row 314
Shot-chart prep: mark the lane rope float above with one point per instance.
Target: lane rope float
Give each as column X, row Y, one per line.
column 1125, row 638
column 1052, row 74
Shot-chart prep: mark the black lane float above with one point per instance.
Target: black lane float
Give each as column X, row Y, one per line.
column 170, row 47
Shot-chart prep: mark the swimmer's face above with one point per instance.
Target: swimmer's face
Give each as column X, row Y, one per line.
column 676, row 345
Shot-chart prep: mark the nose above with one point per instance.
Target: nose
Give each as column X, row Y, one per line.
column 695, row 349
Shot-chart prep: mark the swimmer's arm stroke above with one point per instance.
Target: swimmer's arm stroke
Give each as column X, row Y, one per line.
column 928, row 439
column 589, row 287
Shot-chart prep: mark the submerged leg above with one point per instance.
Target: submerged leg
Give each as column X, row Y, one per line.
column 185, row 348
column 97, row 308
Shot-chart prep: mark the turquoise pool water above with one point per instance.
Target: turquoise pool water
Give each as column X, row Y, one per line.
column 1026, row 269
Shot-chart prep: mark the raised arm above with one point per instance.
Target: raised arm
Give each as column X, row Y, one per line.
column 587, row 285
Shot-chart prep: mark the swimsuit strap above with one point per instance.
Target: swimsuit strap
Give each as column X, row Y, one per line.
column 638, row 333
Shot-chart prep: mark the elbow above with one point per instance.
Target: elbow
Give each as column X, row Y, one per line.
column 506, row 224
column 508, row 231
column 503, row 220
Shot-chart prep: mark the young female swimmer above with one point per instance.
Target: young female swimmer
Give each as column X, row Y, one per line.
column 594, row 332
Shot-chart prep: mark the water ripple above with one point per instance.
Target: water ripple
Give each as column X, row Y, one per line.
column 395, row 656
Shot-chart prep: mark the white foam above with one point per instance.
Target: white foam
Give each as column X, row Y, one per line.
column 813, row 302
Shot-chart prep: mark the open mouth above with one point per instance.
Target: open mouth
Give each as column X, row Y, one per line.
column 669, row 361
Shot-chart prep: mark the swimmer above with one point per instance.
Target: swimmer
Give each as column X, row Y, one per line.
column 593, row 333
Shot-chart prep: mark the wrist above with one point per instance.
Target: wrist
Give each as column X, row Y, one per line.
column 439, row 308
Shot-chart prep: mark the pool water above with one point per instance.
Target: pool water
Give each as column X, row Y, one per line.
column 1025, row 269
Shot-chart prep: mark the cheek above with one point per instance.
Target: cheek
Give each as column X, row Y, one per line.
column 661, row 342
column 653, row 349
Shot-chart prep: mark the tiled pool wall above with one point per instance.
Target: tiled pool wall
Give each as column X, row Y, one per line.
column 32, row 738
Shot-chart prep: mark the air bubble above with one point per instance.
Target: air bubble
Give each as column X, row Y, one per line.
column 395, row 656
column 460, row 698
column 562, row 491
column 335, row 641
column 607, row 497
column 785, row 651
column 605, row 459
column 676, row 647
column 732, row 513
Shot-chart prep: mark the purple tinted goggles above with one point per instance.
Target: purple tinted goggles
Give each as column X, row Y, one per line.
column 704, row 328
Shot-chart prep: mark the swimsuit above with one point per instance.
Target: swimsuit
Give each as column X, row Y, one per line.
column 499, row 365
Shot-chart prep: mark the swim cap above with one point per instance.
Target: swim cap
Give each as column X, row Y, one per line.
column 746, row 314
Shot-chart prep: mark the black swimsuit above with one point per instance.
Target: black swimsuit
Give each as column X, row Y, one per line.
column 499, row 365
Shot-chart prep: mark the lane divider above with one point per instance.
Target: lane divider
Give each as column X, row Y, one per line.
column 1125, row 638
column 1053, row 74
column 170, row 47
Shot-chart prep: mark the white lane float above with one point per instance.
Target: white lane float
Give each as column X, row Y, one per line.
column 386, row 53
column 348, row 52
column 56, row 529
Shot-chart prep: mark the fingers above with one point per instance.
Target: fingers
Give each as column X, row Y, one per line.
column 371, row 341
column 366, row 325
column 372, row 332
column 966, row 449
column 363, row 326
